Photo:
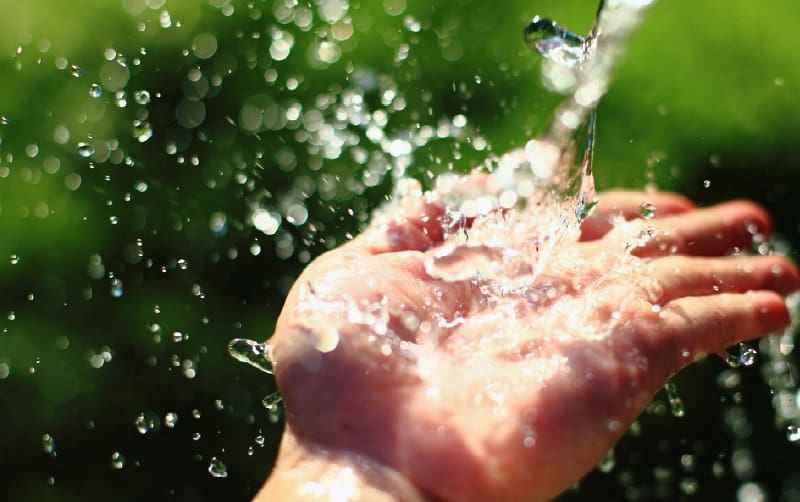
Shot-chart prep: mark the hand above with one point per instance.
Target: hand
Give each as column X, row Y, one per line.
column 401, row 386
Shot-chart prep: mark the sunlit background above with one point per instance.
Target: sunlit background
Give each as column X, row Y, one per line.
column 167, row 167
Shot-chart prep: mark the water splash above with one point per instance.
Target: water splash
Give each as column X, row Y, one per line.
column 257, row 355
column 548, row 183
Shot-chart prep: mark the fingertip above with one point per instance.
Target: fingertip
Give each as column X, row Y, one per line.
column 771, row 311
column 786, row 277
column 752, row 217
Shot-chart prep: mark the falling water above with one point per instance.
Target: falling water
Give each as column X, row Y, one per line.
column 549, row 182
column 253, row 353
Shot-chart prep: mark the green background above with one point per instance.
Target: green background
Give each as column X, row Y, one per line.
column 706, row 103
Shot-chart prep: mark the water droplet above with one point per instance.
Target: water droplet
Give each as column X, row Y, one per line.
column 76, row 70
column 793, row 433
column 117, row 460
column 554, row 42
column 217, row 468
column 272, row 401
column 729, row 380
column 253, row 353
column 142, row 97
column 14, row 259
column 4, row 120
column 49, row 445
column 95, row 91
column 116, row 288
column 689, row 486
column 706, row 183
column 607, row 463
column 260, row 440
column 142, row 130
column 170, row 419
column 647, row 210
column 747, row 355
column 85, row 150
column 675, row 402
column 412, row 24
column 147, row 422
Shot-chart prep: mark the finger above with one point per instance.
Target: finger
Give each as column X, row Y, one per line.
column 414, row 225
column 701, row 325
column 628, row 205
column 716, row 230
column 680, row 276
column 418, row 221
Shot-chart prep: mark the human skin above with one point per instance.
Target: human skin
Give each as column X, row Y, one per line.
column 400, row 386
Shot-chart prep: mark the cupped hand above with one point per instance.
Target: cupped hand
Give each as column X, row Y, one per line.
column 466, row 395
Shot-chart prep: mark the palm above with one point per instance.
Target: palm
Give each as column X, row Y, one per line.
column 471, row 398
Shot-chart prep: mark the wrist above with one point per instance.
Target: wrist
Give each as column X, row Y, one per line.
column 305, row 472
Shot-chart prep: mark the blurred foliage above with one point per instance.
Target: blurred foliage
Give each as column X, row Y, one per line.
column 126, row 271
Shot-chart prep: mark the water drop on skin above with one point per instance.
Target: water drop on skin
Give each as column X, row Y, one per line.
column 253, row 353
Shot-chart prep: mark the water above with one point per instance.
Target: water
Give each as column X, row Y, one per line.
column 253, row 353
column 117, row 460
column 549, row 183
column 555, row 43
column 675, row 401
column 173, row 170
column 217, row 468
